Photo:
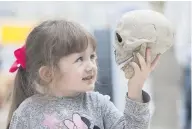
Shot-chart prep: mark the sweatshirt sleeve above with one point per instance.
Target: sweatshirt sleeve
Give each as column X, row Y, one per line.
column 18, row 122
column 136, row 115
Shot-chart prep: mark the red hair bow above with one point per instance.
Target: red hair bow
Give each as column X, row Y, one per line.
column 20, row 55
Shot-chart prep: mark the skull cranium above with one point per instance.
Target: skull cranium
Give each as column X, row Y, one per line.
column 138, row 30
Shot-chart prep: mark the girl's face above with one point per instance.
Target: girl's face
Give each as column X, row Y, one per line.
column 77, row 73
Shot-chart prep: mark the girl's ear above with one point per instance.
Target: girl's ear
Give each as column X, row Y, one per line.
column 45, row 74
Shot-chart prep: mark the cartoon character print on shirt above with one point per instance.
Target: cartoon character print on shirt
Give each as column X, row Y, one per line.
column 77, row 122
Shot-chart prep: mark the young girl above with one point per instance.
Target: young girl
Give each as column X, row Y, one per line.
column 56, row 73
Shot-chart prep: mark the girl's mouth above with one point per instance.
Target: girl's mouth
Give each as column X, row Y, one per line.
column 87, row 78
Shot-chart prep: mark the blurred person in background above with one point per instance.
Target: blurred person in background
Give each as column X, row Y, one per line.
column 179, row 13
column 6, row 86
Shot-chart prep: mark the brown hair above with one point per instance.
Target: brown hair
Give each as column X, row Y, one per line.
column 45, row 45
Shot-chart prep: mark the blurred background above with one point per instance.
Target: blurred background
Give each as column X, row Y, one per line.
column 169, row 85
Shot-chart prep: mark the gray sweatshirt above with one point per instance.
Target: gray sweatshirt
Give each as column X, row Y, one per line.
column 90, row 110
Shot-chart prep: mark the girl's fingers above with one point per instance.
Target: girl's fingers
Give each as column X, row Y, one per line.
column 148, row 56
column 141, row 61
column 135, row 67
column 155, row 61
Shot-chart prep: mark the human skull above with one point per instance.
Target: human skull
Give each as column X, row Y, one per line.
column 138, row 30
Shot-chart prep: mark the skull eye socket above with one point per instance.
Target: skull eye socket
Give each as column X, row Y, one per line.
column 118, row 37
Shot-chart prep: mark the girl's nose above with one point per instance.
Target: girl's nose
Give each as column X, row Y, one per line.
column 89, row 68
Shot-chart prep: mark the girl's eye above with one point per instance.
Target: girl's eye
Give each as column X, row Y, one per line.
column 93, row 56
column 79, row 59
